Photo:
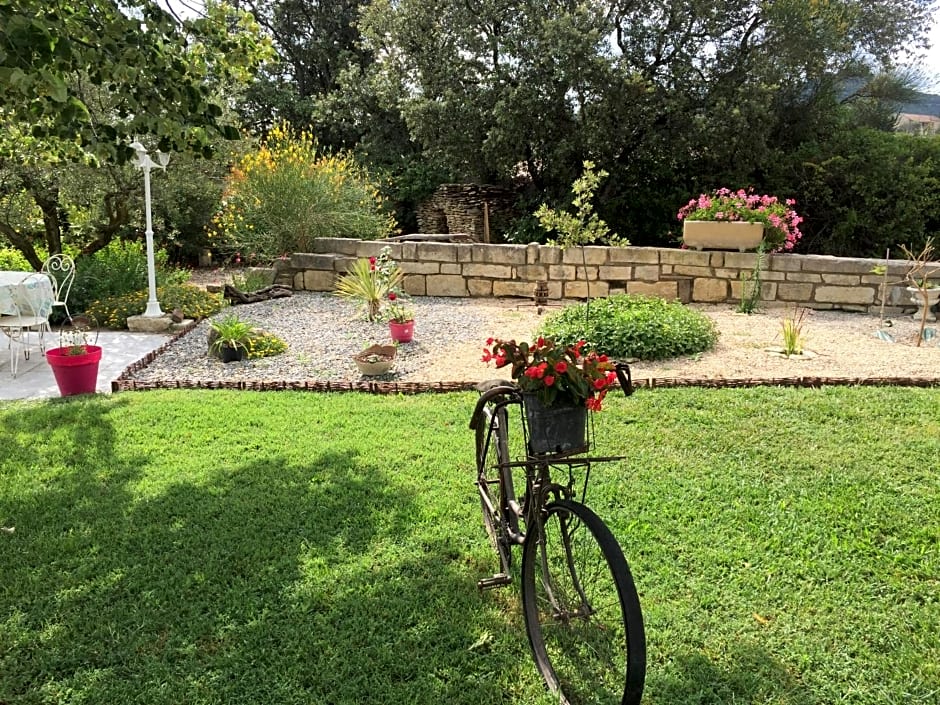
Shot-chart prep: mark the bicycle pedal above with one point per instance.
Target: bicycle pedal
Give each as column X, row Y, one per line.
column 498, row 580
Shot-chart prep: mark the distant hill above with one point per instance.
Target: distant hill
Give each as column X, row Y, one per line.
column 925, row 104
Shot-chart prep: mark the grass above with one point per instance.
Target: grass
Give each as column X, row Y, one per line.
column 237, row 547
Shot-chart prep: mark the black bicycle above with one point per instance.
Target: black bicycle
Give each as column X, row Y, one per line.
column 581, row 609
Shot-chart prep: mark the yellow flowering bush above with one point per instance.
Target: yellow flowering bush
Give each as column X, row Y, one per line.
column 281, row 196
column 112, row 312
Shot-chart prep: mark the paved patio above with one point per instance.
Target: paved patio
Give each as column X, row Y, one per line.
column 34, row 379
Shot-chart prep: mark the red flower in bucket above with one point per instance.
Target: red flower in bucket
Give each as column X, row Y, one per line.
column 557, row 373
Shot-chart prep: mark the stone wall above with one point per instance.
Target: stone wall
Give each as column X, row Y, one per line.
column 445, row 269
column 459, row 208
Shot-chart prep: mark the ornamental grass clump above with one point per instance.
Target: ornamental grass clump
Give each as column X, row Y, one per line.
column 559, row 374
column 371, row 282
column 781, row 231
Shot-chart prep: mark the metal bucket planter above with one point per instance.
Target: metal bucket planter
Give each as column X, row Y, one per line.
column 560, row 429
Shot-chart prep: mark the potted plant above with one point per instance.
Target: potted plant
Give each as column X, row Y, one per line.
column 739, row 220
column 559, row 386
column 376, row 359
column 401, row 318
column 369, row 282
column 75, row 362
column 230, row 338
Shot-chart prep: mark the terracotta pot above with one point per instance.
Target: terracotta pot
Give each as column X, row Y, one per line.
column 721, row 235
column 385, row 355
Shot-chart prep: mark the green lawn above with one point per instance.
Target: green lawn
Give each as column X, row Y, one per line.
column 237, row 547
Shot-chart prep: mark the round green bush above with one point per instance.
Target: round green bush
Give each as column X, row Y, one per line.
column 632, row 326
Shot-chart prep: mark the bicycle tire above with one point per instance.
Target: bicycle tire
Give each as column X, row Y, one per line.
column 595, row 658
column 489, row 481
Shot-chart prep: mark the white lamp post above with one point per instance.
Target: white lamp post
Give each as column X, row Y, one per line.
column 146, row 163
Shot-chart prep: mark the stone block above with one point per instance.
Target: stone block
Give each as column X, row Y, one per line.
column 841, row 279
column 335, row 245
column 372, row 248
column 619, row 273
column 634, row 255
column 421, row 267
column 788, row 291
column 414, row 285
column 808, row 277
column 785, row 263
column 493, row 271
column 562, row 271
column 709, row 290
column 305, row 260
column 451, row 268
column 838, row 265
column 844, row 294
column 480, row 287
column 685, row 257
column 445, row 285
column 532, row 273
column 313, row 280
column 741, row 260
column 582, row 255
column 499, row 254
column 646, row 272
column 464, row 252
column 513, row 288
column 532, row 253
column 342, row 264
column 549, row 255
column 768, row 290
column 686, row 270
column 668, row 290
column 436, row 252
column 149, row 324
column 580, row 289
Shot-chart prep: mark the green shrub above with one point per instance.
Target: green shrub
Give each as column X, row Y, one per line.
column 113, row 312
column 631, row 326
column 12, row 260
column 282, row 196
column 117, row 270
column 251, row 279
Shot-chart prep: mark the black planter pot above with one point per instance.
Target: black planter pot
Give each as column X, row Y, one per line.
column 232, row 354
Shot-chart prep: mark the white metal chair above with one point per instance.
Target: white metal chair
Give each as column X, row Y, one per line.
column 61, row 271
column 33, row 302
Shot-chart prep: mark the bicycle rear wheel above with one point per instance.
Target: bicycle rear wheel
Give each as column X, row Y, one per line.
column 582, row 612
column 491, row 487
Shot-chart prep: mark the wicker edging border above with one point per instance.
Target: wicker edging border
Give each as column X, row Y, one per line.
column 125, row 384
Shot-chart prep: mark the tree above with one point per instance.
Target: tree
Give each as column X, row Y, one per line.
column 162, row 75
column 82, row 79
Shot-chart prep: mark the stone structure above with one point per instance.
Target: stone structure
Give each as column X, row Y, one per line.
column 457, row 269
column 459, row 208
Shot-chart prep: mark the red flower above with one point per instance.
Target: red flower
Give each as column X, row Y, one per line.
column 549, row 380
column 600, row 383
column 372, row 263
column 500, row 360
column 540, row 343
column 561, row 366
column 487, row 355
column 593, row 404
column 392, row 296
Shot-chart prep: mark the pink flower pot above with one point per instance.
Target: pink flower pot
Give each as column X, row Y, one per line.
column 401, row 332
column 75, row 374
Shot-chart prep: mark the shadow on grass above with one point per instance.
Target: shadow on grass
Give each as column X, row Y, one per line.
column 263, row 583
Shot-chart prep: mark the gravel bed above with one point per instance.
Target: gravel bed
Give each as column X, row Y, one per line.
column 324, row 332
